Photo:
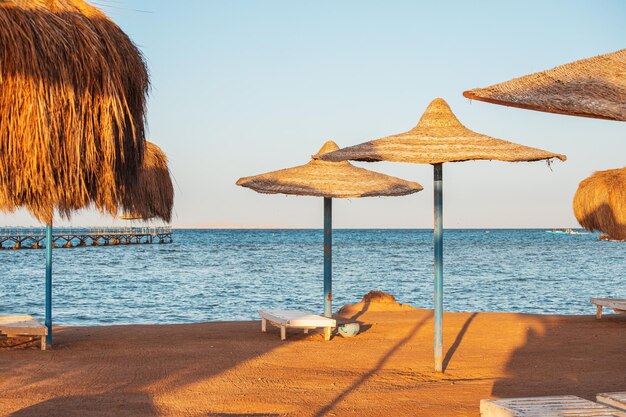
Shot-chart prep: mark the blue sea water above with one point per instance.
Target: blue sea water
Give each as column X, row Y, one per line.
column 209, row 275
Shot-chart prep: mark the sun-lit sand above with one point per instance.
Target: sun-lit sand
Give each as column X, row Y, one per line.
column 232, row 369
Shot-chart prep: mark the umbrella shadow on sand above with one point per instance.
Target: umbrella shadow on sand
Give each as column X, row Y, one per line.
column 457, row 341
column 130, row 363
column 121, row 404
column 379, row 365
column 573, row 355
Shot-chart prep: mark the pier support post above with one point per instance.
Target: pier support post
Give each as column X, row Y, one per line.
column 328, row 257
column 49, row 283
column 438, row 242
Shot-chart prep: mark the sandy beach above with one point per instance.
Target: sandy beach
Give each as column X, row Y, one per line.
column 232, row 369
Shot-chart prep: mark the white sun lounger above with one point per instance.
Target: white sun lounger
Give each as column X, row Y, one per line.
column 26, row 326
column 295, row 319
column 613, row 399
column 557, row 406
column 617, row 304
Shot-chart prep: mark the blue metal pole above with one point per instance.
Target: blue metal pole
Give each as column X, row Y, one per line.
column 438, row 236
column 328, row 257
column 49, row 283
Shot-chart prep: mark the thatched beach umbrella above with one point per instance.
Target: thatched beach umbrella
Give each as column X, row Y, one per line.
column 600, row 203
column 329, row 180
column 72, row 101
column 439, row 137
column 154, row 196
column 593, row 87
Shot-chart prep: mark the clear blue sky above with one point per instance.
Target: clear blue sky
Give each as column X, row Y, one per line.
column 245, row 87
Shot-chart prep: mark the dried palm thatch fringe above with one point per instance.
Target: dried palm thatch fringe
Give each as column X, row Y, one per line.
column 593, row 87
column 600, row 203
column 329, row 179
column 73, row 92
column 154, row 196
column 439, row 137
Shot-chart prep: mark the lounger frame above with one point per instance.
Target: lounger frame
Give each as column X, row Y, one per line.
column 285, row 319
column 617, row 304
column 613, row 399
column 23, row 326
column 554, row 406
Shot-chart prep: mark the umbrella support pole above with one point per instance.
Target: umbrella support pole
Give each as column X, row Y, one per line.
column 328, row 256
column 438, row 242
column 49, row 245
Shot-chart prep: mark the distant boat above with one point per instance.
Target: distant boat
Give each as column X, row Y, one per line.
column 566, row 232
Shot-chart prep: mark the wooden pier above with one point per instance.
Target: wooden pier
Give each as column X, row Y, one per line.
column 12, row 238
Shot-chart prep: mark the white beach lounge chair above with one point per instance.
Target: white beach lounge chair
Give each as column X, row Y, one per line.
column 617, row 304
column 295, row 319
column 25, row 326
column 557, row 406
column 613, row 399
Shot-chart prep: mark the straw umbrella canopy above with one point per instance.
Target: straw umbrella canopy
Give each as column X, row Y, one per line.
column 439, row 137
column 600, row 203
column 329, row 180
column 593, row 87
column 72, row 111
column 155, row 191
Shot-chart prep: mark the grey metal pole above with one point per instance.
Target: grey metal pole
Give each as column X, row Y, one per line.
column 49, row 283
column 328, row 257
column 438, row 241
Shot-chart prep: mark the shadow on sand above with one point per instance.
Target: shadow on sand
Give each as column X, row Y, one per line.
column 457, row 341
column 123, row 361
column 121, row 367
column 381, row 362
column 560, row 361
column 128, row 404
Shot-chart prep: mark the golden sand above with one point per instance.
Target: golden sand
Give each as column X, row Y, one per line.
column 232, row 369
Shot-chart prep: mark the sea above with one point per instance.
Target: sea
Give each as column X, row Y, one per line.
column 225, row 275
